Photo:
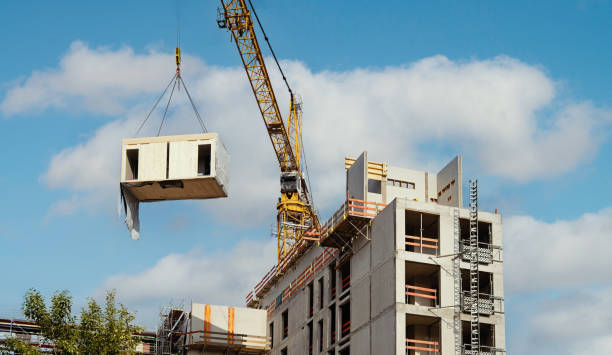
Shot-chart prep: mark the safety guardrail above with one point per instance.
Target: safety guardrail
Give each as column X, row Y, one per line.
column 422, row 345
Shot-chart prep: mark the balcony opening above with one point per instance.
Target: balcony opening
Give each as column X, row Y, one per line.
column 345, row 351
column 310, row 338
column 332, row 281
column 271, row 332
column 484, row 231
column 285, row 321
column 422, row 335
column 345, row 319
column 422, row 284
column 310, row 300
column 284, row 351
column 345, row 275
column 131, row 164
column 203, row 159
column 485, row 248
column 332, row 324
column 487, row 303
column 487, row 338
column 422, row 232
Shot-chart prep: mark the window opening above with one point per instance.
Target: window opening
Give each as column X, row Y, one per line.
column 321, row 335
column 203, row 159
column 321, row 299
column 332, row 324
column 332, row 281
column 285, row 320
column 374, row 186
column 345, row 318
column 310, row 300
column 310, row 338
column 131, row 164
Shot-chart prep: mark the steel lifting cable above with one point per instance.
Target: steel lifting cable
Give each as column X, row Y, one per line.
column 194, row 106
column 177, row 79
column 155, row 105
column 167, row 104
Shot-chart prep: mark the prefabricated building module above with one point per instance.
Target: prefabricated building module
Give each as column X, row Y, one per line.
column 184, row 167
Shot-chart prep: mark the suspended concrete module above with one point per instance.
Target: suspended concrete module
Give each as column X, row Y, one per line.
column 193, row 166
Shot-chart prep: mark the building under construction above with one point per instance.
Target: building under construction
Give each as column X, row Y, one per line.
column 402, row 269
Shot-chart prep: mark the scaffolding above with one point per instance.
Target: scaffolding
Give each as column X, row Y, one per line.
column 171, row 337
column 457, row 283
column 474, row 287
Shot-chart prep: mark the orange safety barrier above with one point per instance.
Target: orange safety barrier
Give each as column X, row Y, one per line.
column 305, row 276
column 423, row 345
column 421, row 242
column 346, row 282
column 346, row 328
column 429, row 293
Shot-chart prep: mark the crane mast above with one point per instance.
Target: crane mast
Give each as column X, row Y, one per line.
column 295, row 213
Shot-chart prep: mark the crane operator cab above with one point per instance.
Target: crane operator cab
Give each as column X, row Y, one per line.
column 290, row 183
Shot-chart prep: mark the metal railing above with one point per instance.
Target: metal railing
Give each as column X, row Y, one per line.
column 487, row 304
column 484, row 350
column 487, row 253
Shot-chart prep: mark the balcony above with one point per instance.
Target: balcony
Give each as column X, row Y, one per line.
column 485, row 252
column 484, row 350
column 487, row 304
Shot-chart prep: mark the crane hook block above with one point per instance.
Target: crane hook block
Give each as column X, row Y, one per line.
column 178, row 56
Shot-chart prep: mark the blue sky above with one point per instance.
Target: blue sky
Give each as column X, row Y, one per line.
column 544, row 65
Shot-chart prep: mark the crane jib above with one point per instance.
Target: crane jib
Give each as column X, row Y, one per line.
column 238, row 22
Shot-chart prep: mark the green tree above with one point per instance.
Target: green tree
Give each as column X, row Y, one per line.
column 100, row 331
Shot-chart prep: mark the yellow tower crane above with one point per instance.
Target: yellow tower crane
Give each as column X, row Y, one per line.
column 295, row 211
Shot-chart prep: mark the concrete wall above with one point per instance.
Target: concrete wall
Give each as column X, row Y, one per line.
column 449, row 184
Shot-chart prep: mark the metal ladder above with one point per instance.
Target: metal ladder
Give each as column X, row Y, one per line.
column 474, row 319
column 457, row 279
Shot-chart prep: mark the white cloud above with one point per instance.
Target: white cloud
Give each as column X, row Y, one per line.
column 96, row 80
column 574, row 323
column 492, row 111
column 220, row 278
column 562, row 253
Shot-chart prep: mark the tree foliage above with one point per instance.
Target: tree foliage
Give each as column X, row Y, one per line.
column 107, row 330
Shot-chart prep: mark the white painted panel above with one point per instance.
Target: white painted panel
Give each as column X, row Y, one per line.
column 152, row 159
column 183, row 160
